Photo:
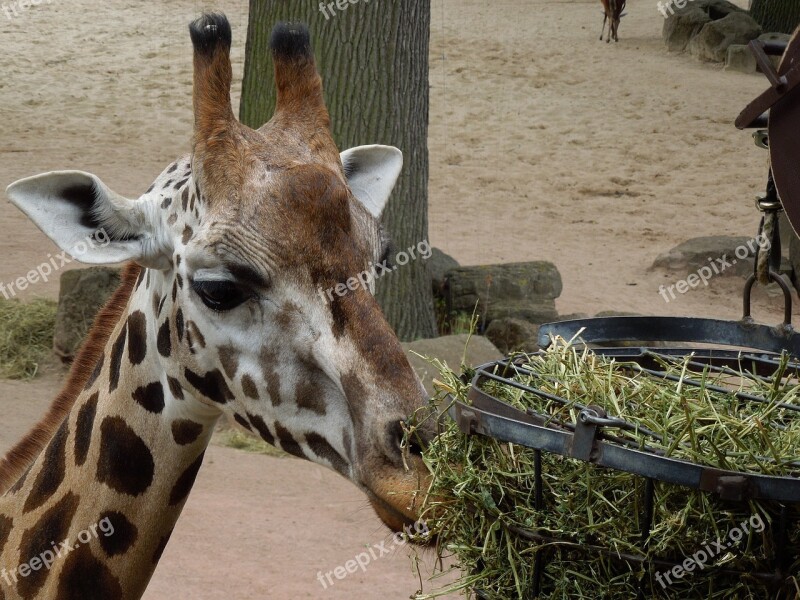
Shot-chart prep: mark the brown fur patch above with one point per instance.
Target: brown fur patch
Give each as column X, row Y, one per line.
column 185, row 482
column 164, row 340
column 175, row 388
column 185, row 431
column 125, row 463
column 25, row 451
column 150, row 397
column 162, row 545
column 242, row 421
column 84, row 427
column 308, row 397
column 52, row 527
column 84, row 576
column 115, row 364
column 249, row 387
column 261, row 428
column 212, row 385
column 197, row 335
column 52, row 472
column 323, row 449
column 229, row 358
column 123, row 537
column 187, row 235
column 137, row 337
column 98, row 368
column 6, row 523
column 287, row 441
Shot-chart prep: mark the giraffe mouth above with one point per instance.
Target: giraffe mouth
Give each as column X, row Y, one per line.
column 400, row 521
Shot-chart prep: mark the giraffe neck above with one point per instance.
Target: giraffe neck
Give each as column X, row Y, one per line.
column 97, row 506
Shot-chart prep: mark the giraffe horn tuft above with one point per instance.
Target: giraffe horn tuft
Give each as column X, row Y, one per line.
column 211, row 38
column 298, row 84
column 210, row 31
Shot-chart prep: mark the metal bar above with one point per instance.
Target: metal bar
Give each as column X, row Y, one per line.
column 725, row 484
column 742, row 334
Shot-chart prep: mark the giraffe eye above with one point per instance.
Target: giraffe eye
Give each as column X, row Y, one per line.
column 221, row 295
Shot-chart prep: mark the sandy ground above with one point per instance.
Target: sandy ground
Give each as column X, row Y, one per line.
column 545, row 144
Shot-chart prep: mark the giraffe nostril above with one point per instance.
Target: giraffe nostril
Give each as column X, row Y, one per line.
column 417, row 440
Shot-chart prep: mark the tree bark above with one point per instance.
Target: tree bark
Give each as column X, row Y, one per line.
column 373, row 57
column 776, row 15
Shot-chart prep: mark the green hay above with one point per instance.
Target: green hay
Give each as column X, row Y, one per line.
column 481, row 501
column 26, row 336
column 231, row 438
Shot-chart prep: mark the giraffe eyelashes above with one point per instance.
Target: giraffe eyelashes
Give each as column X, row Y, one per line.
column 221, row 295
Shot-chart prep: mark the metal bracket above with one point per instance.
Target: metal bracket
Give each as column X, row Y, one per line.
column 584, row 442
column 734, row 488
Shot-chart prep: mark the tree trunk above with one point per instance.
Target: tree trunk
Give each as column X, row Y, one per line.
column 776, row 15
column 373, row 57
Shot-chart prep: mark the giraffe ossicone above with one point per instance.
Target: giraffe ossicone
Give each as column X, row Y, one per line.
column 218, row 314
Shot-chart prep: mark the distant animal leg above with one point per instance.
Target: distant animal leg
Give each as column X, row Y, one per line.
column 605, row 18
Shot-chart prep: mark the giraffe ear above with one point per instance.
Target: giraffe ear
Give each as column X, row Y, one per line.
column 88, row 220
column 371, row 173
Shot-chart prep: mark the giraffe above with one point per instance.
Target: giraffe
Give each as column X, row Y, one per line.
column 612, row 13
column 218, row 313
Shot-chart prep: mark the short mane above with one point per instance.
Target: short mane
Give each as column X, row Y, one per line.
column 13, row 465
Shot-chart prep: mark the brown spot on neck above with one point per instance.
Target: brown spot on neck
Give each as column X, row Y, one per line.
column 183, row 486
column 52, row 527
column 84, row 576
column 84, row 428
column 52, row 471
column 125, row 463
column 150, row 397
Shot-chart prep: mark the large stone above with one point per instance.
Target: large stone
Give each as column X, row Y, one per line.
column 82, row 293
column 513, row 335
column 717, row 252
column 712, row 43
column 524, row 291
column 437, row 266
column 740, row 59
column 679, row 29
column 452, row 350
column 684, row 19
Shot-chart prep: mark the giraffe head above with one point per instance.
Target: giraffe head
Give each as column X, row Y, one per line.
column 240, row 242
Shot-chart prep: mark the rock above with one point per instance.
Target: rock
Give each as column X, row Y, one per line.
column 438, row 265
column 772, row 36
column 684, row 19
column 679, row 30
column 712, row 43
column 450, row 349
column 740, row 59
column 513, row 335
column 524, row 291
column 717, row 251
column 82, row 293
